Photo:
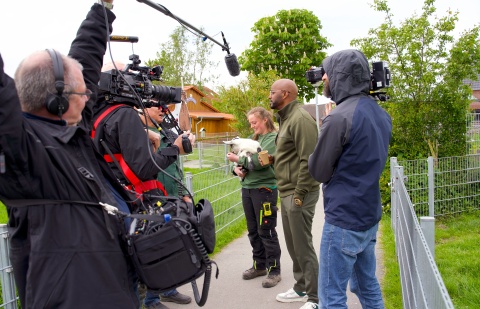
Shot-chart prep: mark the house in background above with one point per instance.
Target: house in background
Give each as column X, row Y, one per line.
column 207, row 121
column 475, row 104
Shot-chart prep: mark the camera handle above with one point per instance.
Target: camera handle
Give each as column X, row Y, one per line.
column 186, row 145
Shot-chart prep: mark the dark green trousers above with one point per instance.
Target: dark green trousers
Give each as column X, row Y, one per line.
column 297, row 227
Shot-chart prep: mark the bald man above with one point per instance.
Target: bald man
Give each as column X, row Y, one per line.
column 299, row 192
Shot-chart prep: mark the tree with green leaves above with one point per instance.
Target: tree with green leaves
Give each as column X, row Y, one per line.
column 288, row 43
column 428, row 99
column 187, row 58
column 239, row 99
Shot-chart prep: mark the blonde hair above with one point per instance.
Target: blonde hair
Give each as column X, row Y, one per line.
column 262, row 113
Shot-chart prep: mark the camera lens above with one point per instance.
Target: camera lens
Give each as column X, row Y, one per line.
column 167, row 94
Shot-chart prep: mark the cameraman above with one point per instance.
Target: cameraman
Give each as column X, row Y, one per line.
column 66, row 251
column 348, row 159
column 165, row 139
column 154, row 119
column 121, row 138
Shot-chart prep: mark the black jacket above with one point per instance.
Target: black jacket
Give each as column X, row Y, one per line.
column 64, row 255
column 123, row 132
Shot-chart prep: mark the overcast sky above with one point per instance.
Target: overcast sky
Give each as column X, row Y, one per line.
column 31, row 25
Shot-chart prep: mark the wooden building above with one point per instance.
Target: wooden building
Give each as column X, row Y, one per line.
column 206, row 120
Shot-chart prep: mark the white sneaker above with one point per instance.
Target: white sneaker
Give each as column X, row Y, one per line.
column 309, row 305
column 291, row 296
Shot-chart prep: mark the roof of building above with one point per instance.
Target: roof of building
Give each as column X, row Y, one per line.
column 210, row 115
column 475, row 84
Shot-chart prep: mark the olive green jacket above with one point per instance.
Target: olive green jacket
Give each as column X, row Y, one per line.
column 296, row 140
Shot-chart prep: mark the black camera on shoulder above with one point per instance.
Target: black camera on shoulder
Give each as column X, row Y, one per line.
column 379, row 76
column 314, row 75
column 380, row 79
column 134, row 81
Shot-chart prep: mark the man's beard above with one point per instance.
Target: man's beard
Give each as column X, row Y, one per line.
column 326, row 90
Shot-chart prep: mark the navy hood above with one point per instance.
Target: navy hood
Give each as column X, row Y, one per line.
column 348, row 74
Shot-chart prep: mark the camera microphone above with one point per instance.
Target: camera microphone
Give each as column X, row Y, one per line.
column 123, row 38
column 232, row 64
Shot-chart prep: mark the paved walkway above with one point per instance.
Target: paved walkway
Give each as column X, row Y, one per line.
column 231, row 291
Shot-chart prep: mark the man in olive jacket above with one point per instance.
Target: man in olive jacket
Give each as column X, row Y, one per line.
column 299, row 192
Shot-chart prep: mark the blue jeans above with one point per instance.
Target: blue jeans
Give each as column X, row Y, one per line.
column 122, row 206
column 152, row 297
column 345, row 256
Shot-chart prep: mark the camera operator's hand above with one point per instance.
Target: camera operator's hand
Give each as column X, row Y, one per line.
column 178, row 141
column 192, row 138
column 154, row 139
column 328, row 108
column 187, row 199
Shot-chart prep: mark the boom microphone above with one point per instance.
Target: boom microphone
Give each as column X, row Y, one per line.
column 232, row 64
column 123, row 38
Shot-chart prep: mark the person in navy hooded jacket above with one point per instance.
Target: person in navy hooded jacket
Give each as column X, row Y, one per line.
column 348, row 159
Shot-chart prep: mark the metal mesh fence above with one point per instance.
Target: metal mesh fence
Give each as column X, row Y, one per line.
column 223, row 190
column 473, row 133
column 454, row 184
column 457, row 184
column 416, row 182
column 422, row 284
column 217, row 184
column 9, row 295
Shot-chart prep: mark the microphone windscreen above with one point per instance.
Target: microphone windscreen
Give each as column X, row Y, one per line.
column 232, row 64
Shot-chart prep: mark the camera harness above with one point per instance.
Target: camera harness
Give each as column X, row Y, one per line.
column 135, row 183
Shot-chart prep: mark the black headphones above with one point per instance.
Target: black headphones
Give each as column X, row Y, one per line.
column 57, row 104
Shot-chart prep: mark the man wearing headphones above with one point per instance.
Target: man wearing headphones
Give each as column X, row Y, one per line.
column 66, row 250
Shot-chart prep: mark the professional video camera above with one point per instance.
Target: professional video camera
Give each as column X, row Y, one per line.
column 135, row 81
column 314, row 75
column 380, row 78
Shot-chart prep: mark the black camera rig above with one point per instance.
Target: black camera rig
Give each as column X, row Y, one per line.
column 134, row 83
column 379, row 79
column 314, row 75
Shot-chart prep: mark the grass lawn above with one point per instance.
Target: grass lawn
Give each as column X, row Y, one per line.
column 3, row 214
column 457, row 247
column 391, row 287
column 457, row 250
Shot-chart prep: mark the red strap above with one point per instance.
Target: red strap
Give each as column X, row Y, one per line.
column 103, row 115
column 139, row 186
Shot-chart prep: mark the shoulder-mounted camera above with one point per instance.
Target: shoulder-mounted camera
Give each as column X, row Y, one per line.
column 379, row 79
column 134, row 82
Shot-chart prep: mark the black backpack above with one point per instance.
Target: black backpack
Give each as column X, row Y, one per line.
column 170, row 247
